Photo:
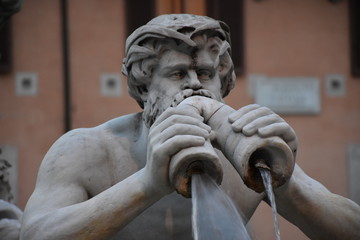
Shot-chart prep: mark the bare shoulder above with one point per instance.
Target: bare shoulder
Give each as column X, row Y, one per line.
column 81, row 164
column 83, row 153
column 67, row 163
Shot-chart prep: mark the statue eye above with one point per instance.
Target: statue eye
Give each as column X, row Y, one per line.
column 204, row 75
column 177, row 75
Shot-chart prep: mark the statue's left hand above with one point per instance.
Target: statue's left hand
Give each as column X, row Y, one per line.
column 255, row 119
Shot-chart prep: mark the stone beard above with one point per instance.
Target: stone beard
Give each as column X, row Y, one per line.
column 157, row 103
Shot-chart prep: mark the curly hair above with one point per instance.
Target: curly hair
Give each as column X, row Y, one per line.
column 146, row 46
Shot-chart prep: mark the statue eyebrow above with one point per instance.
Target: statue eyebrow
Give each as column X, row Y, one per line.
column 204, row 65
column 173, row 67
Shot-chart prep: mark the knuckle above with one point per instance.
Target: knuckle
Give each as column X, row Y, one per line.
column 254, row 105
column 274, row 115
column 265, row 109
column 170, row 110
column 169, row 120
column 175, row 128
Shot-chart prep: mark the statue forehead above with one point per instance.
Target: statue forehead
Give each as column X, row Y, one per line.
column 174, row 59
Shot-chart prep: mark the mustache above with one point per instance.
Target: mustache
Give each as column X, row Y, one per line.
column 154, row 108
column 178, row 98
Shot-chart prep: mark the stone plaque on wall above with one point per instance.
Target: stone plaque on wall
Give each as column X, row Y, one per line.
column 291, row 95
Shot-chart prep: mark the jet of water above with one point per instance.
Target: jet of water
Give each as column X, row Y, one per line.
column 214, row 215
column 266, row 176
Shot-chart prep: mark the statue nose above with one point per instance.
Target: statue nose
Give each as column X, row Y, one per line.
column 192, row 81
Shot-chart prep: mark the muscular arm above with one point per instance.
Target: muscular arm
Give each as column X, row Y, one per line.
column 60, row 207
column 75, row 198
column 303, row 201
column 319, row 213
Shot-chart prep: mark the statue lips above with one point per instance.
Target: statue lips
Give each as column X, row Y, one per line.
column 178, row 98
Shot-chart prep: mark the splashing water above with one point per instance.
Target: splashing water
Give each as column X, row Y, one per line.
column 266, row 176
column 214, row 215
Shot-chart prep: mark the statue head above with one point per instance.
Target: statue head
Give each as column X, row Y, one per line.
column 183, row 32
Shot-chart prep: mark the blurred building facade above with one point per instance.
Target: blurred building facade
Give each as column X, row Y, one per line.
column 283, row 38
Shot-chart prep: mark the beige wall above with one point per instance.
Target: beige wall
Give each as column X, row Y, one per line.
column 32, row 123
column 282, row 38
column 306, row 38
column 97, row 40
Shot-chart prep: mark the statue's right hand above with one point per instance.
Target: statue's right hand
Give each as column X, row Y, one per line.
column 174, row 130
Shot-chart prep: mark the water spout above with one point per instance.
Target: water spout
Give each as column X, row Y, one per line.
column 266, row 176
column 214, row 215
column 242, row 151
column 184, row 164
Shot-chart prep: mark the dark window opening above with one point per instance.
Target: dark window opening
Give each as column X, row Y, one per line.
column 231, row 12
column 138, row 13
column 354, row 10
column 5, row 48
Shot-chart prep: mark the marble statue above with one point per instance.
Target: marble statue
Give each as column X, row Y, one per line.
column 10, row 221
column 112, row 181
column 10, row 214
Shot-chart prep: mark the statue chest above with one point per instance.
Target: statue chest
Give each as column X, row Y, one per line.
column 169, row 218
